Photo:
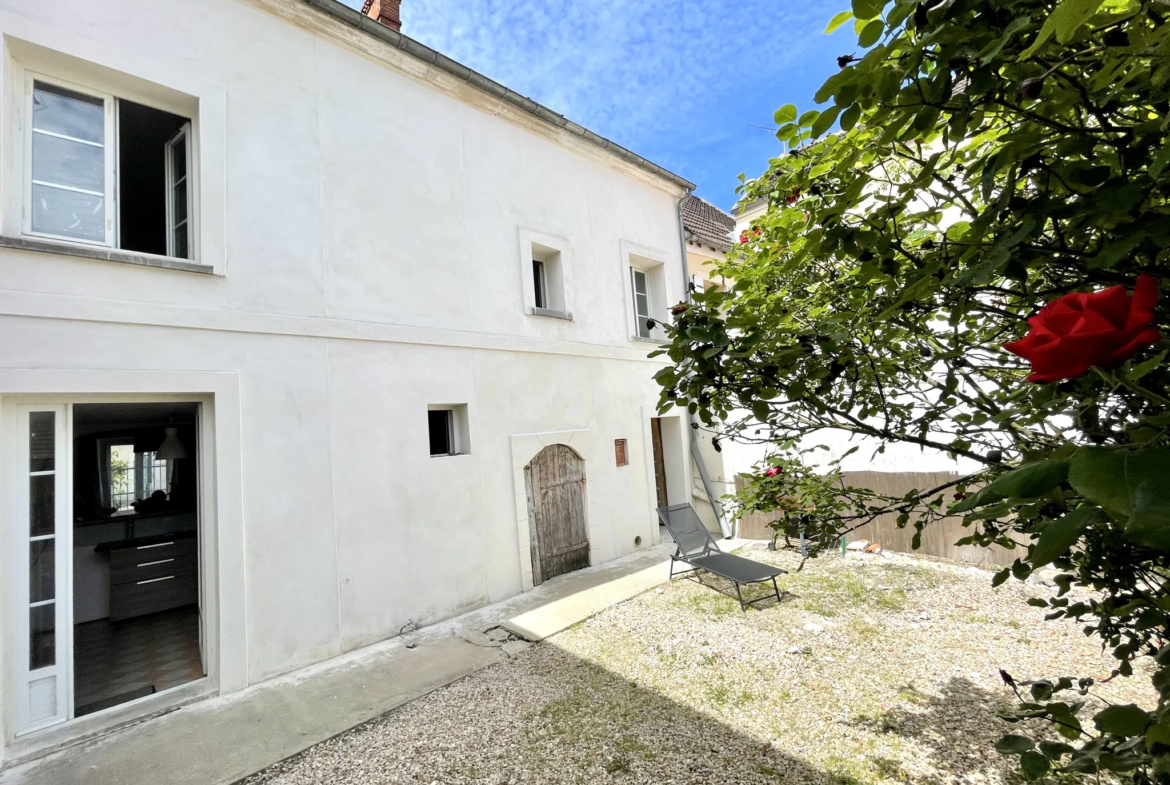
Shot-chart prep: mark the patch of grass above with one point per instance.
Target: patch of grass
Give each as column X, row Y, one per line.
column 853, row 587
column 616, row 764
column 709, row 659
column 861, row 630
column 726, row 697
column 712, row 603
column 634, row 746
column 767, row 770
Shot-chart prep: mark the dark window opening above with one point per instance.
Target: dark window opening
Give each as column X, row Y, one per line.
column 153, row 194
column 439, row 423
column 539, row 283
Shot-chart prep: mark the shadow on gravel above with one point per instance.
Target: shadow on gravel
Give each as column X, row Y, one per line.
column 956, row 727
column 761, row 595
column 547, row 716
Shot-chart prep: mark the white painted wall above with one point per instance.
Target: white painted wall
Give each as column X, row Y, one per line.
column 364, row 225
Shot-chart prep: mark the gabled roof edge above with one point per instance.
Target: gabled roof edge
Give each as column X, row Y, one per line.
column 350, row 16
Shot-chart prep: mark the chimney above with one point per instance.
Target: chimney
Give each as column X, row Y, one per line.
column 385, row 11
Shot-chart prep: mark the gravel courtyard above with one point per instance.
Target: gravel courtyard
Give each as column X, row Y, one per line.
column 870, row 671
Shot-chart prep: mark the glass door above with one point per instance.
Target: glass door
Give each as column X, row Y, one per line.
column 42, row 479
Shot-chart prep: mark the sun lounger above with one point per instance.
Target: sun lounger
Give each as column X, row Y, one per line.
column 696, row 548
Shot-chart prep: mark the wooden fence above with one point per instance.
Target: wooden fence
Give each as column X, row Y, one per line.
column 938, row 539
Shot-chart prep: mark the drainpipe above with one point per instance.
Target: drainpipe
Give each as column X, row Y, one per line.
column 696, row 454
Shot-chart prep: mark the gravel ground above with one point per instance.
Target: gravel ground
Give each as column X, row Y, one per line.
column 871, row 670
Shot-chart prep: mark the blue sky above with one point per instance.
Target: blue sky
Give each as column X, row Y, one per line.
column 680, row 82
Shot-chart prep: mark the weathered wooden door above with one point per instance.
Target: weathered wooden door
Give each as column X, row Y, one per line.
column 659, row 460
column 556, row 509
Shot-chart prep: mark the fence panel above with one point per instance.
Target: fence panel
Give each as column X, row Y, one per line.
column 938, row 539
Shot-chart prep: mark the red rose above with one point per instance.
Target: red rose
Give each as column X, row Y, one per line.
column 1080, row 331
column 772, row 471
column 743, row 236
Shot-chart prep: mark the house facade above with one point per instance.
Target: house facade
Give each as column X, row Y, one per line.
column 310, row 335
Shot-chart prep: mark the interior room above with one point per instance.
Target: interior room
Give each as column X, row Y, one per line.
column 135, row 552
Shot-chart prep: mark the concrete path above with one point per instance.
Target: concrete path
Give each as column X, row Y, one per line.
column 221, row 740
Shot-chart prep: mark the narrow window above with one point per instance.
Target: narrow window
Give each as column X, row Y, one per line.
column 178, row 194
column 641, row 303
column 539, row 283
column 439, row 423
column 620, row 453
column 68, row 164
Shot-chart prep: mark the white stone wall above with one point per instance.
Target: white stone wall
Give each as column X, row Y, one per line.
column 363, row 215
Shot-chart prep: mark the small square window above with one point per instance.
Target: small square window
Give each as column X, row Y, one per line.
column 545, row 275
column 447, row 429
column 621, row 452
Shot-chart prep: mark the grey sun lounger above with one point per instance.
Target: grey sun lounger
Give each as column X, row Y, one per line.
column 696, row 548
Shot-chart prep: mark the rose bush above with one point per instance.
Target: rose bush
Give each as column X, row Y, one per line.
column 994, row 162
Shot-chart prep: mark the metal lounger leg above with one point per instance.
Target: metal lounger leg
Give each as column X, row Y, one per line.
column 742, row 607
column 777, row 588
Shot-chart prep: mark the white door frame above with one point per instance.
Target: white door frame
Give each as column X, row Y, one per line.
column 14, row 625
column 54, row 701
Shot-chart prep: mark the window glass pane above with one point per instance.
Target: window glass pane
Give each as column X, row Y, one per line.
column 68, row 213
column 181, row 242
column 179, row 158
column 179, row 195
column 41, row 509
column 439, row 424
column 68, row 113
column 642, row 304
column 42, row 636
column 639, row 282
column 42, row 436
column 42, row 574
column 65, row 162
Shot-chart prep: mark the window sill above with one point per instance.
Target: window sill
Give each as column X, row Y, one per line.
column 101, row 254
column 658, row 341
column 549, row 313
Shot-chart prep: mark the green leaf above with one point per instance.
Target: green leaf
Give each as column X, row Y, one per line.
column 871, row 34
column 1053, row 750
column 1034, row 764
column 1014, row 745
column 1160, row 160
column 868, row 9
column 1060, row 535
column 1159, row 733
column 1114, row 252
column 850, row 117
column 1064, row 21
column 838, row 20
column 785, row 114
column 1027, row 482
column 825, row 121
column 1141, row 369
column 1123, row 720
column 1146, row 474
column 1098, row 474
column 761, row 411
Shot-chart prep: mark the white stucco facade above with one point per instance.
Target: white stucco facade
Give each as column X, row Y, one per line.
column 361, row 221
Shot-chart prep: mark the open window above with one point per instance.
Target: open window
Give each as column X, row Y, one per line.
column 647, row 299
column 544, row 274
column 106, row 171
column 447, row 429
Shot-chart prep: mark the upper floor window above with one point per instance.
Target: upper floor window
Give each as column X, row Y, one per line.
column 107, row 171
column 648, row 298
column 544, row 274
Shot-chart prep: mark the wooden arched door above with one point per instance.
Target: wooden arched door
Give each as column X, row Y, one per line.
column 555, row 481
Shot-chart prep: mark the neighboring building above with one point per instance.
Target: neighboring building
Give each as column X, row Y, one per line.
column 311, row 334
column 707, row 231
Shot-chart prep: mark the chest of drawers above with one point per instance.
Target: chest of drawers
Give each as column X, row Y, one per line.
column 153, row 576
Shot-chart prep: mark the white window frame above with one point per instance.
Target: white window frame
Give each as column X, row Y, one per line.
column 109, row 151
column 458, row 429
column 665, row 284
column 555, row 255
column 112, row 239
column 183, row 133
column 640, row 318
